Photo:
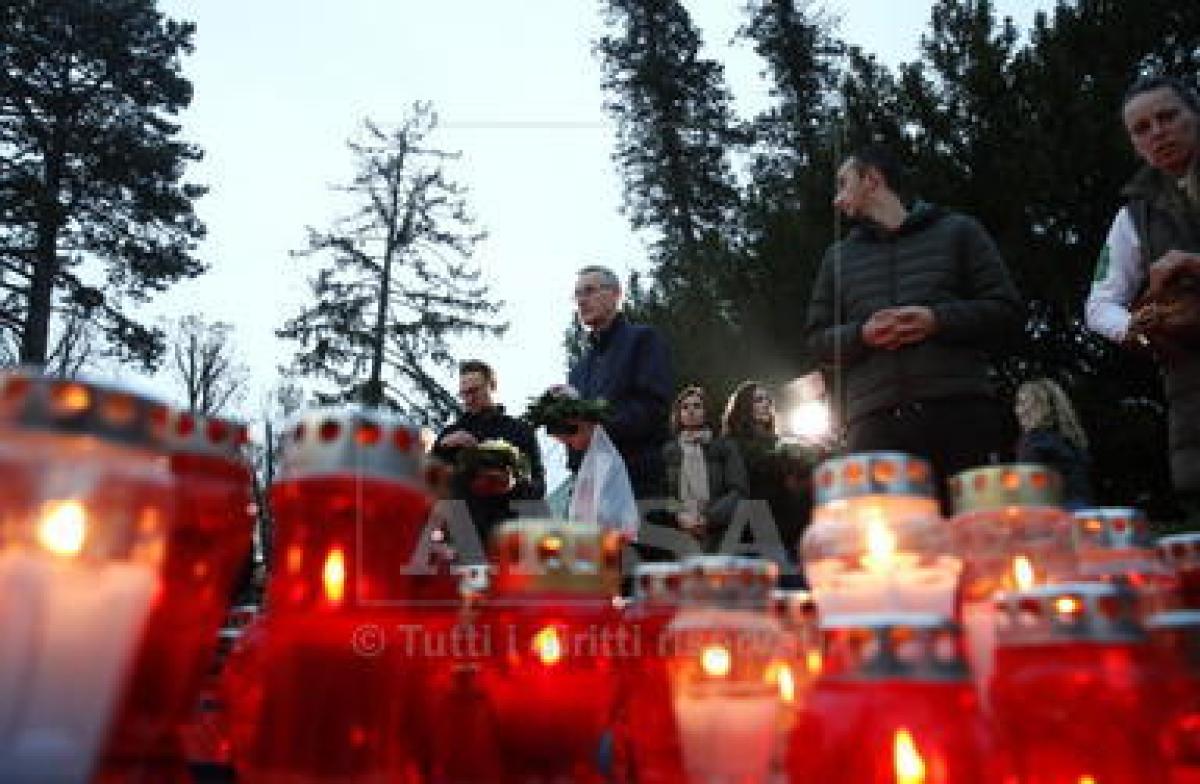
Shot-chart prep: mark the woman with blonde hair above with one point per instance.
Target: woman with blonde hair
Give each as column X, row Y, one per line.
column 1051, row 435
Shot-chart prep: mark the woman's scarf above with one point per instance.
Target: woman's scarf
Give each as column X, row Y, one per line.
column 693, row 471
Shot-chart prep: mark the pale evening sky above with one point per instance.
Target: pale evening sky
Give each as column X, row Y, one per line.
column 281, row 84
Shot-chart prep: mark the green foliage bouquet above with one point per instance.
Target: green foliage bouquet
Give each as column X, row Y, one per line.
column 557, row 409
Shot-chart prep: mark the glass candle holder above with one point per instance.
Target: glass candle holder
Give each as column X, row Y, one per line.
column 1181, row 553
column 893, row 703
column 1115, row 543
column 725, row 651
column 85, row 511
column 1175, row 639
column 1077, row 693
column 1011, row 533
column 206, row 548
column 876, row 542
column 327, row 687
column 551, row 681
column 647, row 739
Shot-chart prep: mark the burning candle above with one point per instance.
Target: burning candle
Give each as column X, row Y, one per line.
column 876, row 541
column 1077, row 691
column 1011, row 532
column 551, row 680
column 1115, row 543
column 1175, row 639
column 327, row 689
column 646, row 734
column 205, row 549
column 84, row 510
column 725, row 658
column 893, row 703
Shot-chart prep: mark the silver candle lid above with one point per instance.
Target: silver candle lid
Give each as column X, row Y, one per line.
column 1112, row 528
column 658, row 582
column 872, row 473
column 910, row 646
column 208, row 436
column 1069, row 612
column 361, row 442
column 30, row 400
column 728, row 581
column 1180, row 550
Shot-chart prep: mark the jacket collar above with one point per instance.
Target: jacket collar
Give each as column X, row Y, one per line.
column 600, row 338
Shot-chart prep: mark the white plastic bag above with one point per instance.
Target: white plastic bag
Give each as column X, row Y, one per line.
column 602, row 493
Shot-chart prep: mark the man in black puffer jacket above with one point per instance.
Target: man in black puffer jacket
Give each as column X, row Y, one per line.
column 904, row 310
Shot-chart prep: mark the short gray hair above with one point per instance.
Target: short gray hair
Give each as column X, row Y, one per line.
column 607, row 275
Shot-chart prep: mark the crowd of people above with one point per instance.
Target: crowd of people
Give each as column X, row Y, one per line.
column 905, row 310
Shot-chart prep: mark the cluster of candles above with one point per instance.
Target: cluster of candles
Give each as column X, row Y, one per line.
column 1013, row 643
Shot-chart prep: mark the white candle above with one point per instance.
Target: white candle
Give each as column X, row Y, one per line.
column 727, row 730
column 70, row 629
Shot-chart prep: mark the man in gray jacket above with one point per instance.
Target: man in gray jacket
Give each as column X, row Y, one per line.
column 904, row 309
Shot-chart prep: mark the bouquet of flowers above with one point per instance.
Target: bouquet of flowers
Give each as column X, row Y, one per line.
column 558, row 408
column 493, row 467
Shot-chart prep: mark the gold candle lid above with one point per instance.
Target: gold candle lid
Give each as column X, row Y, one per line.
column 872, row 473
column 1001, row 486
column 555, row 556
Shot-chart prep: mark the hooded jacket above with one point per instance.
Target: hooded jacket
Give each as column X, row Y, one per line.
column 937, row 258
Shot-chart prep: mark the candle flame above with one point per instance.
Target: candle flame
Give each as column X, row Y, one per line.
column 780, row 674
column 910, row 768
column 1067, row 605
column 881, row 544
column 1023, row 576
column 63, row 528
column 547, row 646
column 716, row 661
column 333, row 576
column 1086, row 779
column 814, row 662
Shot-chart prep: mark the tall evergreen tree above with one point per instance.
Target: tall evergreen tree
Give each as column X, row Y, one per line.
column 94, row 213
column 397, row 280
column 675, row 126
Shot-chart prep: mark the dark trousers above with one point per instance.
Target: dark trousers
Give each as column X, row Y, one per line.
column 952, row 433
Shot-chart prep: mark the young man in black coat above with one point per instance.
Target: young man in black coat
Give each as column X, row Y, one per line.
column 484, row 420
column 904, row 310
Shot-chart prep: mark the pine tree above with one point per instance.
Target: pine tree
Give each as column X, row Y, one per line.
column 675, row 126
column 94, row 213
column 397, row 280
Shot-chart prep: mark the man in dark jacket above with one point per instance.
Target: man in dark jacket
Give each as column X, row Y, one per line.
column 628, row 365
column 484, row 420
column 904, row 309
